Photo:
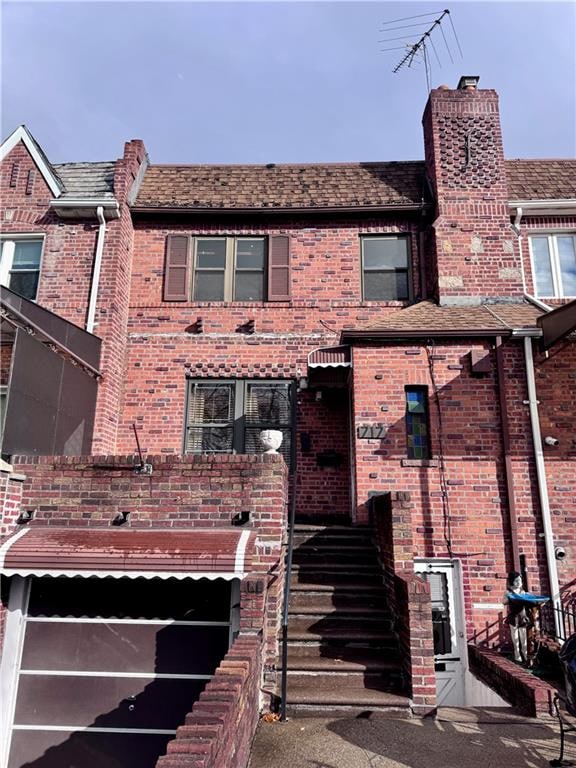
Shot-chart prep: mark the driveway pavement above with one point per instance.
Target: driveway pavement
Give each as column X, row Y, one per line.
column 458, row 738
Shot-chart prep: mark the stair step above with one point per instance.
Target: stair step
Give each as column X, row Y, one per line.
column 344, row 588
column 327, row 538
column 333, row 530
column 333, row 611
column 308, row 657
column 331, row 690
column 335, row 554
column 349, row 629
column 333, row 601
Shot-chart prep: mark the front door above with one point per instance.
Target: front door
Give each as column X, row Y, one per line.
column 448, row 626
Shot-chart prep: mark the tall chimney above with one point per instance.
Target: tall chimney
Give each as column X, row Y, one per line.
column 473, row 249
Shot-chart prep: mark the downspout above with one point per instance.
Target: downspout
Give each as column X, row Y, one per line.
column 508, row 470
column 542, row 485
column 516, row 228
column 96, row 271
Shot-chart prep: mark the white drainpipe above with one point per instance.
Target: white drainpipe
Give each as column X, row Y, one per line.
column 97, row 268
column 542, row 484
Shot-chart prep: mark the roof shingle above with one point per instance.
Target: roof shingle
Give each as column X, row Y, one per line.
column 541, row 179
column 242, row 187
column 429, row 317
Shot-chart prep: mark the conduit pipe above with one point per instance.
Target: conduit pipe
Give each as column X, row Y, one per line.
column 542, row 485
column 96, row 272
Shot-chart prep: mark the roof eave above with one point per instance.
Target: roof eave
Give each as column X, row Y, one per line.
column 565, row 206
column 405, row 207
column 81, row 207
column 400, row 334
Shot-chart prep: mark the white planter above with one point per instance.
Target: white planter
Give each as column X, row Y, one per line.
column 271, row 440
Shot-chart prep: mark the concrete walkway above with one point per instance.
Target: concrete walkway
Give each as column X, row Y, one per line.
column 458, row 738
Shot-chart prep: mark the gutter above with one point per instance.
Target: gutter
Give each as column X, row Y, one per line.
column 544, row 207
column 532, row 402
column 96, row 272
column 414, row 207
column 111, row 206
column 398, row 334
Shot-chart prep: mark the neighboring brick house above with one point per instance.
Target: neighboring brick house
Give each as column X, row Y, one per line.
column 388, row 317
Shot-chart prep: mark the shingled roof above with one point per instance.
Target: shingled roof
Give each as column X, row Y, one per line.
column 427, row 317
column 541, row 179
column 329, row 186
column 242, row 187
column 86, row 181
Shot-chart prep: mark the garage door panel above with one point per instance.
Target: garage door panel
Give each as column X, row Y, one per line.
column 115, row 647
column 55, row 749
column 111, row 702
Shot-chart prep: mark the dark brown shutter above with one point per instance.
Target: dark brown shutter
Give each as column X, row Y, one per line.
column 177, row 271
column 279, row 268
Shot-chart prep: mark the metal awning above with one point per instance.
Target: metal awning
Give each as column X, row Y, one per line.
column 330, row 357
column 557, row 324
column 120, row 553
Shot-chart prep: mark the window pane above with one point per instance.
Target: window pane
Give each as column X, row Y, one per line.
column 440, row 612
column 209, row 286
column 268, row 405
column 385, row 286
column 542, row 266
column 250, row 254
column 382, row 252
column 417, row 434
column 249, row 286
column 211, row 403
column 27, row 254
column 209, row 440
column 211, row 254
column 24, row 283
column 567, row 258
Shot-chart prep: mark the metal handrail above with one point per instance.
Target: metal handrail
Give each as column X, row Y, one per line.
column 288, row 573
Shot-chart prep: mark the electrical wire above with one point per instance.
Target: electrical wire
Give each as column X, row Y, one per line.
column 455, row 35
column 447, row 526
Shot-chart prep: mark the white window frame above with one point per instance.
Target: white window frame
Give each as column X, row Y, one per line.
column 554, row 262
column 7, row 248
column 387, row 236
column 230, row 269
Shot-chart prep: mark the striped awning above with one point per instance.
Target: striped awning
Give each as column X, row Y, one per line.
column 117, row 553
column 330, row 357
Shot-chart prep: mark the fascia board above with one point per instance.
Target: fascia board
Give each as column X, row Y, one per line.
column 22, row 134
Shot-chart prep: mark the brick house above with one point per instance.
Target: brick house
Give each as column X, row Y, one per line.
column 406, row 326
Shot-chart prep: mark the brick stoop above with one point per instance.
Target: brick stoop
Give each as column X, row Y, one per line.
column 343, row 656
column 532, row 696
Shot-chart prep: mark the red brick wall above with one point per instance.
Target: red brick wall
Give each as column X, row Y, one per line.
column 219, row 730
column 471, row 491
column 475, row 252
column 5, row 362
column 68, row 251
column 408, row 595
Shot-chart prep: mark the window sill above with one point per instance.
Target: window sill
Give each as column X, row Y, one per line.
column 419, row 462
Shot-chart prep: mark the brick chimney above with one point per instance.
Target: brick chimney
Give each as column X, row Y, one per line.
column 474, row 257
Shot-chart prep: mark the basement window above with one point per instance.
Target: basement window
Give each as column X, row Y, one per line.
column 554, row 265
column 417, row 423
column 385, row 268
column 227, row 416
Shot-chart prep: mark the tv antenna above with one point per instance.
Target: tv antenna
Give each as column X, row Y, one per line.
column 417, row 50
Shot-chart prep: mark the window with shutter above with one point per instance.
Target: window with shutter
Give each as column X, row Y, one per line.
column 227, row 268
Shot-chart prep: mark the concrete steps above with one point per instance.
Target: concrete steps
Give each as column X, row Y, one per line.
column 343, row 656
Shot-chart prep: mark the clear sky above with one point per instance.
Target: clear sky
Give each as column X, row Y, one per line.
column 233, row 82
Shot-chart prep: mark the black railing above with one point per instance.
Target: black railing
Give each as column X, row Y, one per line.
column 288, row 576
column 558, row 621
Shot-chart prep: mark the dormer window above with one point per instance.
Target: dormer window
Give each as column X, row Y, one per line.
column 20, row 265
